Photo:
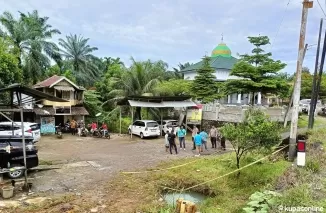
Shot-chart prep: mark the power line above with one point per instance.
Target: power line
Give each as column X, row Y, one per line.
column 321, row 7
column 279, row 27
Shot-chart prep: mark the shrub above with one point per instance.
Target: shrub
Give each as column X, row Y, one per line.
column 261, row 202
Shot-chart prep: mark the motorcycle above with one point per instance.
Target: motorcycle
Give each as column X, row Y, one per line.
column 104, row 134
column 84, row 132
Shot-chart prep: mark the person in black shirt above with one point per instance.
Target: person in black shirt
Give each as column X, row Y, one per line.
column 171, row 138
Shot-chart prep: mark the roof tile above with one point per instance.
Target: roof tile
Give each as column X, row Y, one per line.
column 218, row 62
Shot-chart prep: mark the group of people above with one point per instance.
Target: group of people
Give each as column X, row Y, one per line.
column 78, row 127
column 199, row 139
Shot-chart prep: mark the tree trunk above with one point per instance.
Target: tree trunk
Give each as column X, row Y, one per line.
column 238, row 165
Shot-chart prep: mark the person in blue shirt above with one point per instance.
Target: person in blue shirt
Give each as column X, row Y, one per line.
column 198, row 143
column 181, row 133
column 204, row 138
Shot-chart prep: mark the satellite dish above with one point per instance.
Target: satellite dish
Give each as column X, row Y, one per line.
column 98, row 114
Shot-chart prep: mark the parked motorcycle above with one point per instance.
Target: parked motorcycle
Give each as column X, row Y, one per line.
column 84, row 132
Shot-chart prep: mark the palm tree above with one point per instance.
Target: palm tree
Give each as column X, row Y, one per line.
column 76, row 50
column 139, row 80
column 110, row 61
column 30, row 34
column 177, row 71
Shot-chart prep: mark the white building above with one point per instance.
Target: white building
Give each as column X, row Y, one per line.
column 222, row 61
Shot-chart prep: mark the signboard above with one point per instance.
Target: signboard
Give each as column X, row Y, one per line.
column 47, row 125
column 194, row 115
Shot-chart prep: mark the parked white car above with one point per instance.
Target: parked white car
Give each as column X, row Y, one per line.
column 168, row 125
column 31, row 129
column 304, row 105
column 145, row 128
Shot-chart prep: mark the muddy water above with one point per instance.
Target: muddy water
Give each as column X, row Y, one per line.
column 195, row 197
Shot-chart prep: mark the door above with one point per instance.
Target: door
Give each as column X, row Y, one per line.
column 134, row 127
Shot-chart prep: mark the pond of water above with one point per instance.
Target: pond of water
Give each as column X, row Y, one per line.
column 171, row 198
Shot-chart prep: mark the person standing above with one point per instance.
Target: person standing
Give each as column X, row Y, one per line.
column 181, row 133
column 172, row 142
column 195, row 131
column 213, row 136
column 167, row 143
column 198, row 143
column 73, row 125
column 204, row 137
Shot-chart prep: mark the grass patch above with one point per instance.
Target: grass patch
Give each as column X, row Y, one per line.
column 221, row 194
column 306, row 187
column 303, row 122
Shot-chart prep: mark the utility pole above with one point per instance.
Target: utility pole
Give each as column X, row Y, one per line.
column 314, row 94
column 320, row 75
column 297, row 87
column 287, row 113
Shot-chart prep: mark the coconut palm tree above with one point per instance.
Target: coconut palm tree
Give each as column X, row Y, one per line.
column 76, row 50
column 31, row 34
column 139, row 80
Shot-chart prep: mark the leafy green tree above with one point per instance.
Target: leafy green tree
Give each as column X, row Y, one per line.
column 32, row 36
column 173, row 87
column 256, row 132
column 9, row 64
column 76, row 50
column 257, row 72
column 108, row 61
column 109, row 81
column 205, row 87
column 93, row 104
column 9, row 67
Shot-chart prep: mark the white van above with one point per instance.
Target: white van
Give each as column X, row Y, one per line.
column 31, row 129
column 145, row 128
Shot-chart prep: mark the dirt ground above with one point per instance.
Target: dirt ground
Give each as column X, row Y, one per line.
column 85, row 162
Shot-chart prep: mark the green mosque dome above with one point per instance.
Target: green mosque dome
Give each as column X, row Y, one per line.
column 221, row 50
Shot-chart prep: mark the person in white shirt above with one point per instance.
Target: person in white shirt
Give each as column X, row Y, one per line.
column 167, row 144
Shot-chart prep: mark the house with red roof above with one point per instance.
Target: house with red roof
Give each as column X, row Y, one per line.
column 61, row 87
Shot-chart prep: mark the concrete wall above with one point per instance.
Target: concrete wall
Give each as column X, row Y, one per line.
column 224, row 113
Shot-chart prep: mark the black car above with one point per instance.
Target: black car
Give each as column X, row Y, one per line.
column 15, row 157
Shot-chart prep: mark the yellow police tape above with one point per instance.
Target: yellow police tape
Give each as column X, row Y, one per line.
column 250, row 164
column 158, row 170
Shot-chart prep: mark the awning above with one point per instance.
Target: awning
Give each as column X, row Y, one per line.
column 163, row 104
column 79, row 111
column 178, row 104
column 145, row 104
column 64, row 88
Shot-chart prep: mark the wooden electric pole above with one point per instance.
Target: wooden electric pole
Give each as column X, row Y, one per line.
column 314, row 94
column 287, row 113
column 297, row 87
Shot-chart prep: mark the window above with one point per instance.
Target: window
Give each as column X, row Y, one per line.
column 63, row 110
column 66, row 95
column 152, row 124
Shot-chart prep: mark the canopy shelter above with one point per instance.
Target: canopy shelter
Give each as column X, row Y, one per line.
column 20, row 95
column 155, row 102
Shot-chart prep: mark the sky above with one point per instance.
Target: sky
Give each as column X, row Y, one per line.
column 180, row 31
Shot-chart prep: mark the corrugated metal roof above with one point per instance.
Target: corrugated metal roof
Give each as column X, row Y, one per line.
column 144, row 104
column 163, row 104
column 178, row 104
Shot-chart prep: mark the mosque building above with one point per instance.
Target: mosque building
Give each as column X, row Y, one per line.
column 222, row 61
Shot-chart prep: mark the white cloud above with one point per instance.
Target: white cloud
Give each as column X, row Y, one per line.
column 178, row 30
